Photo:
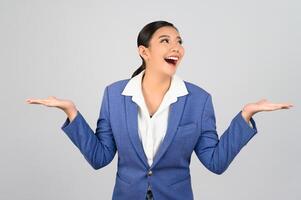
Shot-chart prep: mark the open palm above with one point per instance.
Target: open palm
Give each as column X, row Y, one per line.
column 265, row 105
column 248, row 111
column 52, row 101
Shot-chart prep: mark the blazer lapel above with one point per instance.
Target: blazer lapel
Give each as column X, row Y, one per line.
column 132, row 126
column 176, row 110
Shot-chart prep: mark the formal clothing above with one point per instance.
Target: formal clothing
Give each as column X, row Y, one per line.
column 149, row 195
column 191, row 127
column 152, row 129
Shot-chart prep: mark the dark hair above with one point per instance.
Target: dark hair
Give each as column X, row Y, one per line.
column 145, row 36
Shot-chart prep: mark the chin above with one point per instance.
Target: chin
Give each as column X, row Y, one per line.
column 168, row 69
column 170, row 72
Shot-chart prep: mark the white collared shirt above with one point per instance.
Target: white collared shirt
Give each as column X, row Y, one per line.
column 153, row 129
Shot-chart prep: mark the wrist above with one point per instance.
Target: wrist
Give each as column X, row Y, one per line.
column 68, row 107
column 246, row 115
column 71, row 112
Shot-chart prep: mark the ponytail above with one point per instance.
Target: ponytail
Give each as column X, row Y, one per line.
column 140, row 69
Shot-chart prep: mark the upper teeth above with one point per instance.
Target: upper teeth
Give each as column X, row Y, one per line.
column 173, row 58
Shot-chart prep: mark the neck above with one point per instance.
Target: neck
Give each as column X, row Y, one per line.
column 153, row 82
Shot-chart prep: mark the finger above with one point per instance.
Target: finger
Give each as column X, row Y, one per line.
column 282, row 106
column 30, row 100
column 271, row 107
column 51, row 97
column 286, row 106
column 263, row 101
column 35, row 101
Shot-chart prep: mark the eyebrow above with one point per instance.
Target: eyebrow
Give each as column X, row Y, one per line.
column 161, row 36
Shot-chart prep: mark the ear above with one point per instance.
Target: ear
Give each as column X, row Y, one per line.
column 143, row 52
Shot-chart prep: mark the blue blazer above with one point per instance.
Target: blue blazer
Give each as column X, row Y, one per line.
column 191, row 128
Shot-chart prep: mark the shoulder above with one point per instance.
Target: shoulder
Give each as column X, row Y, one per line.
column 117, row 87
column 196, row 90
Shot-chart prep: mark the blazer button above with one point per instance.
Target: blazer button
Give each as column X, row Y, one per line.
column 150, row 173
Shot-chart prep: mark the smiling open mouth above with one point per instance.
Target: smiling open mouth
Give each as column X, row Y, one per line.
column 171, row 60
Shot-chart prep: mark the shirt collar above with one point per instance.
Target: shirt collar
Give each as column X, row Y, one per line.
column 133, row 87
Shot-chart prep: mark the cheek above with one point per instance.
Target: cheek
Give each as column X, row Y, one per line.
column 157, row 61
column 159, row 58
column 182, row 50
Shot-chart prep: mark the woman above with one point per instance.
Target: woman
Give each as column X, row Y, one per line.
column 155, row 120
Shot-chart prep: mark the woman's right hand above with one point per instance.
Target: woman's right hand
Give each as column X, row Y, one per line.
column 66, row 105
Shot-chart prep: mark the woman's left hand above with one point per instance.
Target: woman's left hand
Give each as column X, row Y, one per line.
column 263, row 105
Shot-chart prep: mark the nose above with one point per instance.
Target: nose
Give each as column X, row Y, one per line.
column 176, row 48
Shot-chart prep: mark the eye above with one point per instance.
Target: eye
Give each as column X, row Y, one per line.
column 164, row 40
column 180, row 41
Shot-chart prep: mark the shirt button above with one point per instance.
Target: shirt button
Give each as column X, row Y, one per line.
column 150, row 173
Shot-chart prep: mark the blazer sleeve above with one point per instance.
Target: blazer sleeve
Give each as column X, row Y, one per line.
column 98, row 148
column 217, row 154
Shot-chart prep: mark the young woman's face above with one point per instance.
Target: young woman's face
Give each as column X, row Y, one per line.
column 165, row 51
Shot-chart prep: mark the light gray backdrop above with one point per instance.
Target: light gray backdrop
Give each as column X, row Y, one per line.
column 239, row 51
